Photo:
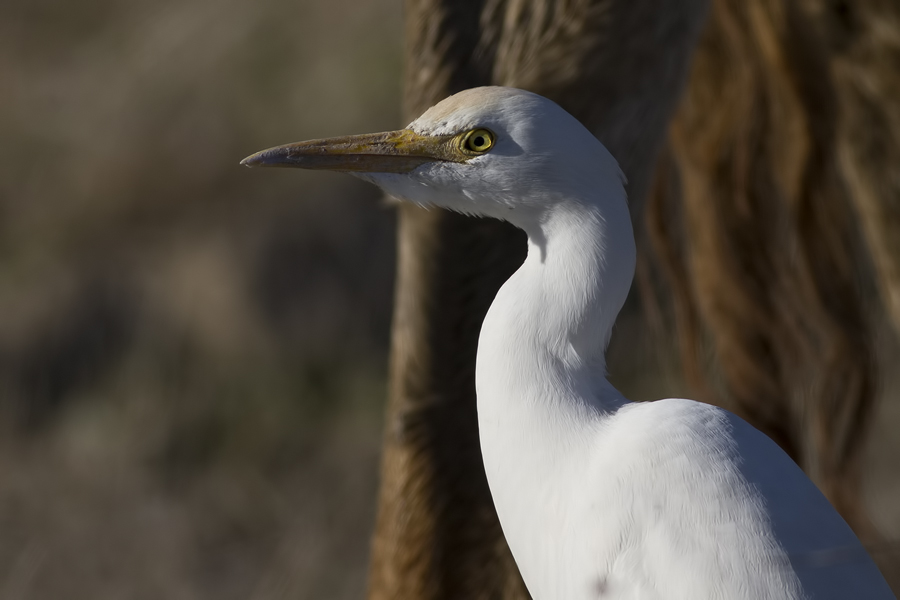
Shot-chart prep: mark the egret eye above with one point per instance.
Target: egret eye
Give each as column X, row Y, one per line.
column 478, row 141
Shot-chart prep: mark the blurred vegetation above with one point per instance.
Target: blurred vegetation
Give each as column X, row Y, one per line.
column 192, row 355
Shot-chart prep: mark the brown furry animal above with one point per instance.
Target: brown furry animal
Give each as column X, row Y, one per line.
column 788, row 126
column 437, row 535
column 863, row 37
column 764, row 262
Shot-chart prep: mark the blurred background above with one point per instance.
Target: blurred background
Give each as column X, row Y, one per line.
column 192, row 354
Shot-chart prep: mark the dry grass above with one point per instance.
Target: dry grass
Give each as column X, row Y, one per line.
column 191, row 355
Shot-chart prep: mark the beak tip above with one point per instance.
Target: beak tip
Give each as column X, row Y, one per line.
column 249, row 162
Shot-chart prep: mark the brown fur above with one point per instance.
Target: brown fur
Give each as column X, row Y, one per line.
column 762, row 261
column 437, row 534
column 789, row 122
column 863, row 38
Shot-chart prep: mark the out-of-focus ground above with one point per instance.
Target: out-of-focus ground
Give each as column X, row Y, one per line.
column 192, row 355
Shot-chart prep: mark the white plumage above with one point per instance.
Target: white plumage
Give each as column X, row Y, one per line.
column 598, row 497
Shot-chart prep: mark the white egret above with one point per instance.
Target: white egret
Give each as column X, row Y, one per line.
column 598, row 497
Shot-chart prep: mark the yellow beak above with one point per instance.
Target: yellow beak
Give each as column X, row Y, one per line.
column 389, row 152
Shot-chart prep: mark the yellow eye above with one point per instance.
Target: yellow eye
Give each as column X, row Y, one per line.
column 478, row 141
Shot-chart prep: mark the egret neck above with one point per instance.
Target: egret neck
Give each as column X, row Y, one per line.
column 544, row 338
column 540, row 374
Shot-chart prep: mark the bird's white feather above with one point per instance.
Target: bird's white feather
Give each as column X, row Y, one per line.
column 599, row 497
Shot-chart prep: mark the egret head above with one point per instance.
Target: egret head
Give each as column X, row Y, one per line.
column 493, row 151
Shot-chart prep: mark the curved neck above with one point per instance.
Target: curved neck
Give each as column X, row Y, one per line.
column 544, row 338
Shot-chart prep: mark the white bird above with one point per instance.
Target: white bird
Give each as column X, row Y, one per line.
column 598, row 497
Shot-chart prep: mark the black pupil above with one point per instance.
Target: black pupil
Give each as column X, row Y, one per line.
column 479, row 141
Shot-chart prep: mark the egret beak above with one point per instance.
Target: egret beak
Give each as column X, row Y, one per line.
column 389, row 152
